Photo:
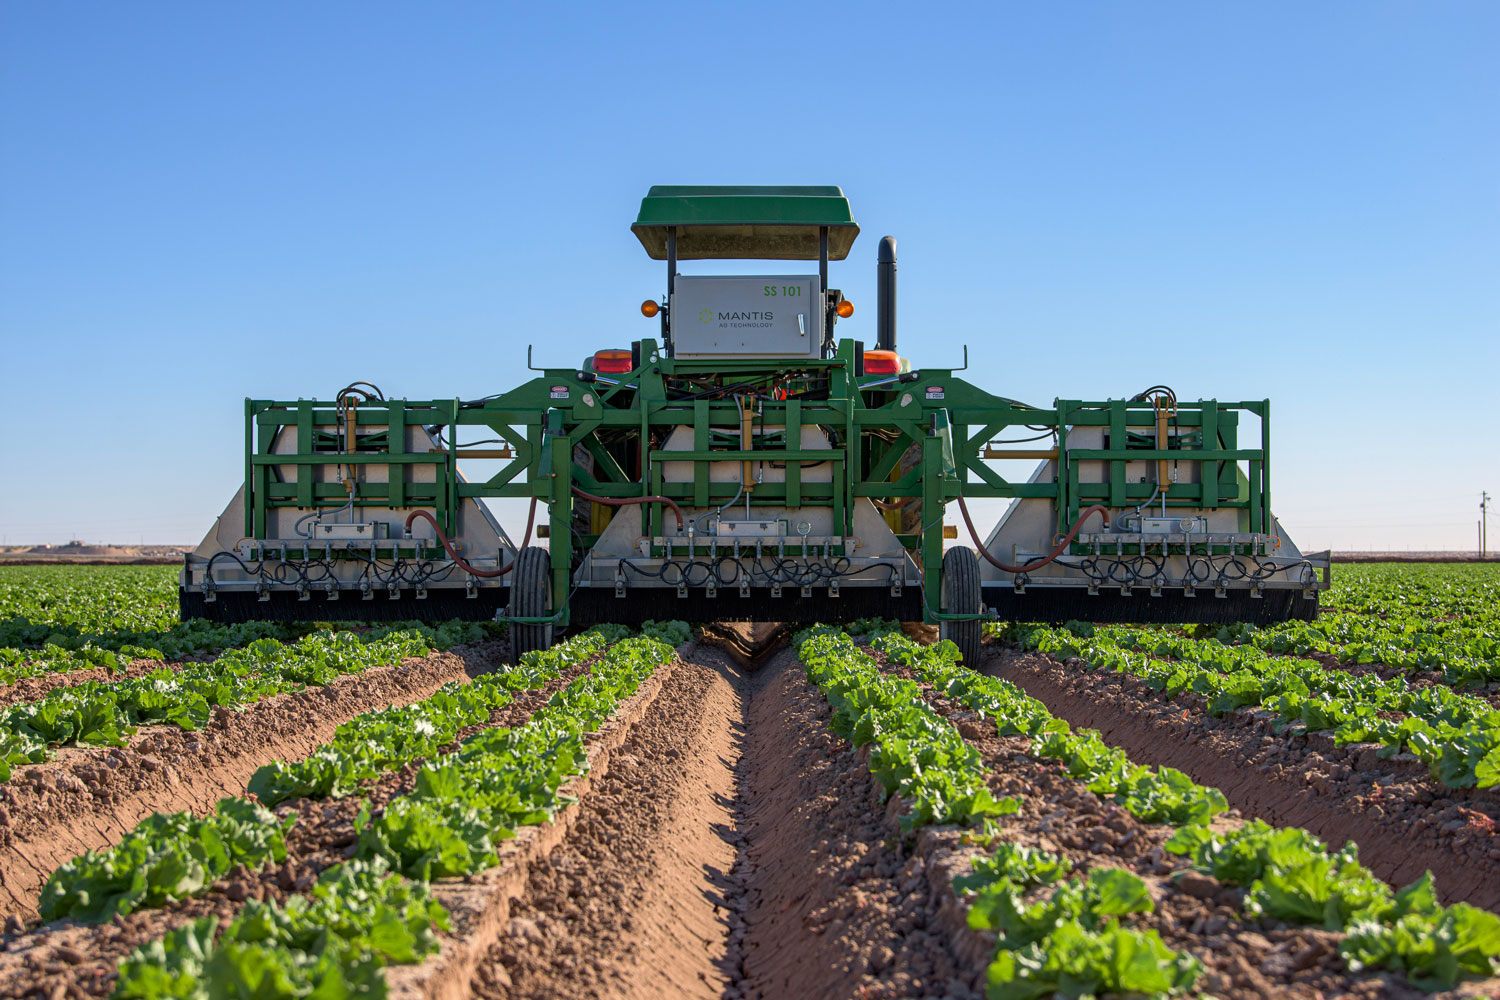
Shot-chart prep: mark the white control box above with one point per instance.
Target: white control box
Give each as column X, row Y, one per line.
column 762, row 316
column 1171, row 525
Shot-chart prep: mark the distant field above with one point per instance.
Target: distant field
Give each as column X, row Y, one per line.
column 85, row 555
column 1414, row 557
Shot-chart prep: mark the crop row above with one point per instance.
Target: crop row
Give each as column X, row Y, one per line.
column 168, row 857
column 79, row 600
column 1438, row 618
column 1433, row 703
column 371, row 744
column 333, row 942
column 114, row 651
column 1463, row 655
column 1456, row 735
column 171, row 856
column 1442, row 596
column 104, row 713
column 40, row 645
column 1151, row 794
column 18, row 664
column 462, row 805
column 1071, row 942
column 1288, row 873
column 59, row 618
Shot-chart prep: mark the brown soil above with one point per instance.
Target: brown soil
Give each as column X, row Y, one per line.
column 735, row 849
column 1242, row 959
column 479, row 907
column 1404, row 822
column 88, row 798
column 634, row 901
column 838, row 903
column 31, row 962
column 75, row 960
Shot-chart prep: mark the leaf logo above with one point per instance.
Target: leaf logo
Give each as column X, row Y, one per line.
column 705, row 315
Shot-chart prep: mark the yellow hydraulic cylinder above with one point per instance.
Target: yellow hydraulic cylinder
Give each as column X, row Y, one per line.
column 747, row 442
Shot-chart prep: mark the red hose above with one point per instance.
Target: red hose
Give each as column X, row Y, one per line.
column 1039, row 563
column 530, row 518
column 627, row 501
column 463, row 563
column 882, row 505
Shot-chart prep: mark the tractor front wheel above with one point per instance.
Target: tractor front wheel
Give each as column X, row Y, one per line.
column 960, row 596
column 530, row 597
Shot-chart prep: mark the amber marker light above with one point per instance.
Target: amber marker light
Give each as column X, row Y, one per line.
column 845, row 309
column 882, row 363
column 649, row 308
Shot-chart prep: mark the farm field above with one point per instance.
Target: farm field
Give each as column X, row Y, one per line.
column 193, row 810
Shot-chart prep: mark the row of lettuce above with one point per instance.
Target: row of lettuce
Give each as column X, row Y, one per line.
column 170, row 856
column 106, row 713
column 58, row 619
column 1078, row 947
column 1451, row 599
column 1469, row 658
column 1443, row 618
column 37, row 602
column 115, row 651
column 1070, row 940
column 1457, row 735
column 377, row 908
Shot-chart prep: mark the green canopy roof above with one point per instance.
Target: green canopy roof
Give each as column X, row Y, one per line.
column 749, row 223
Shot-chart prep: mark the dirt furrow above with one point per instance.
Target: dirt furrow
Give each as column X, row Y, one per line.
column 87, row 798
column 1242, row 959
column 1403, row 821
column 734, row 849
column 635, row 901
column 323, row 832
column 838, row 903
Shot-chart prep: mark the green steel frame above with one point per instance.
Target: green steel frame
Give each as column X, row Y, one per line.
column 874, row 421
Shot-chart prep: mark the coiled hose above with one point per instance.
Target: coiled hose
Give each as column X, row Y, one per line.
column 1036, row 563
column 627, row 501
column 459, row 560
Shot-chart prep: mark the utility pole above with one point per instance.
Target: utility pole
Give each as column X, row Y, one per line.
column 1484, row 522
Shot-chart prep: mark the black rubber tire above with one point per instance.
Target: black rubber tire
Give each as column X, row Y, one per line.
column 961, row 596
column 530, row 597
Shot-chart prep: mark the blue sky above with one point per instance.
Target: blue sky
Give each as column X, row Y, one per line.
column 204, row 202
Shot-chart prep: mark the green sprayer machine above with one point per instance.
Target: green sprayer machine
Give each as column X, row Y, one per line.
column 747, row 464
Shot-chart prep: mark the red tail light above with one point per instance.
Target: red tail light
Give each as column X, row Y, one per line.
column 882, row 363
column 613, row 362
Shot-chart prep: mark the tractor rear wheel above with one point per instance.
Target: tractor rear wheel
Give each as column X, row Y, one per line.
column 960, row 596
column 530, row 597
